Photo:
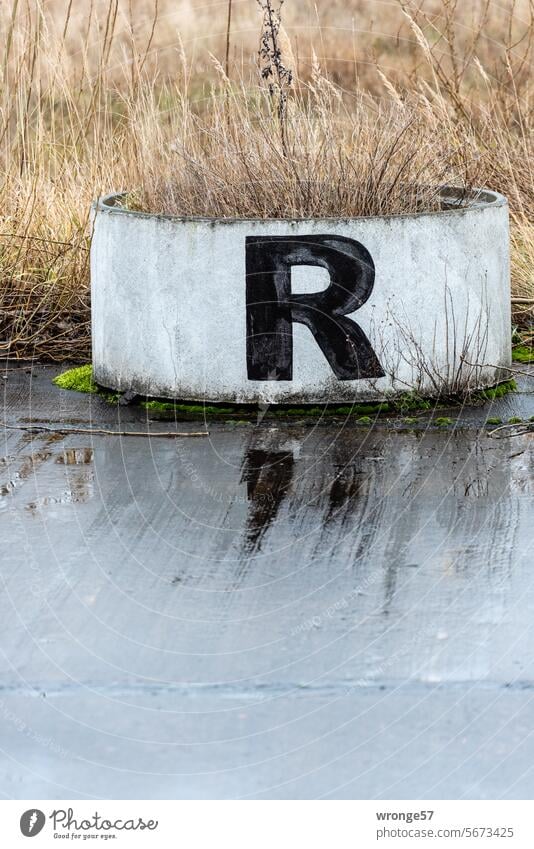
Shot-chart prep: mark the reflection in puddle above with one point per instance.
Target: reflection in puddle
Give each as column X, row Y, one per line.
column 80, row 491
column 267, row 475
column 29, row 464
column 7, row 488
column 338, row 495
column 33, row 469
column 345, row 489
column 75, row 457
column 477, row 488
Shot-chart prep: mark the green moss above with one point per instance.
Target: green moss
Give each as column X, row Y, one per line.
column 361, row 409
column 411, row 402
column 498, row 391
column 171, row 408
column 494, row 420
column 443, row 421
column 409, row 420
column 333, row 410
column 523, row 354
column 296, row 411
column 78, row 379
column 515, row 420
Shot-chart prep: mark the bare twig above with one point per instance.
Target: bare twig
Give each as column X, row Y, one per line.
column 170, row 434
column 504, row 368
column 528, row 427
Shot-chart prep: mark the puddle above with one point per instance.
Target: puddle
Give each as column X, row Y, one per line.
column 368, row 547
column 28, row 466
column 348, row 485
column 35, row 470
column 76, row 457
column 80, row 491
column 49, row 421
column 330, row 496
column 267, row 475
column 7, row 488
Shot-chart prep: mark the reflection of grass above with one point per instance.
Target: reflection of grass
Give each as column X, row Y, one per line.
column 80, row 379
column 333, row 410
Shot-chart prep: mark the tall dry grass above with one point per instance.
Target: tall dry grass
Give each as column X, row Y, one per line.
column 389, row 100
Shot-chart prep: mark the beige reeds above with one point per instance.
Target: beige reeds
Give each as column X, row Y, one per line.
column 97, row 96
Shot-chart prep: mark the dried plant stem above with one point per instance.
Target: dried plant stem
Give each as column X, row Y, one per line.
column 99, row 431
column 273, row 70
column 228, row 32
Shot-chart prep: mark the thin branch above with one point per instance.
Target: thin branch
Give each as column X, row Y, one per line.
column 505, row 368
column 102, row 431
column 528, row 427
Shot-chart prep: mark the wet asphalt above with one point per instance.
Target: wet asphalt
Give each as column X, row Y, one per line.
column 281, row 609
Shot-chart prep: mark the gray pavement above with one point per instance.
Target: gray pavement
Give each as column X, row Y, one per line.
column 279, row 610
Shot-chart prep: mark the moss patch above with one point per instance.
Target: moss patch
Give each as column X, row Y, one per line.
column 497, row 391
column 411, row 402
column 443, row 421
column 523, row 354
column 80, row 379
column 170, row 408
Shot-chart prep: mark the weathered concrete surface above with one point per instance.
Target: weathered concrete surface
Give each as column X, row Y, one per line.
column 170, row 314
column 276, row 611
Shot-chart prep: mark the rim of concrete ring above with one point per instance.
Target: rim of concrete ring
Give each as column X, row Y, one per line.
column 451, row 197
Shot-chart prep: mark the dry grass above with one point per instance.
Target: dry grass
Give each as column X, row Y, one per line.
column 117, row 94
column 331, row 156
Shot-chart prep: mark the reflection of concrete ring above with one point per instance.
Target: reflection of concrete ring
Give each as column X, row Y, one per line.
column 169, row 304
